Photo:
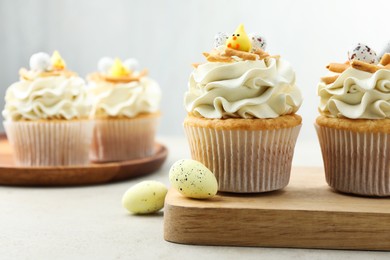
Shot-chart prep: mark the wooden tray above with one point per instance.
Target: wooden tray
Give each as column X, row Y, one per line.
column 78, row 175
column 306, row 214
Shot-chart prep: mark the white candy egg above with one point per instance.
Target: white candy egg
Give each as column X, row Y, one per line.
column 105, row 64
column 386, row 49
column 192, row 179
column 363, row 53
column 40, row 61
column 145, row 197
column 131, row 64
column 220, row 39
column 258, row 41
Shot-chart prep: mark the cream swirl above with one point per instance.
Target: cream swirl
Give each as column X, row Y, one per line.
column 245, row 89
column 357, row 95
column 53, row 97
column 124, row 99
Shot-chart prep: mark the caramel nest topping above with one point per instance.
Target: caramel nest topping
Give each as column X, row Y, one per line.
column 356, row 64
column 117, row 79
column 227, row 54
column 30, row 75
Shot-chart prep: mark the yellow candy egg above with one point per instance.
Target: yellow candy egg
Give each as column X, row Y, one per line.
column 192, row 179
column 145, row 197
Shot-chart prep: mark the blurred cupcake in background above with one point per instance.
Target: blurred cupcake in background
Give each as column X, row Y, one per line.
column 354, row 126
column 125, row 110
column 47, row 114
column 241, row 120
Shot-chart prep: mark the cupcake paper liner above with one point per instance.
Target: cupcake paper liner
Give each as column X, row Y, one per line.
column 356, row 162
column 123, row 139
column 245, row 161
column 56, row 143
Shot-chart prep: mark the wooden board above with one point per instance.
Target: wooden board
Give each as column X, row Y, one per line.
column 11, row 174
column 306, row 214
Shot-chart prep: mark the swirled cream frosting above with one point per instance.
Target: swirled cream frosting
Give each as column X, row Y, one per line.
column 119, row 89
column 357, row 94
column 53, row 97
column 263, row 88
column 124, row 99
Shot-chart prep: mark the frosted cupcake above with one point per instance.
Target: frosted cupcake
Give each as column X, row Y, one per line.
column 126, row 111
column 46, row 115
column 241, row 120
column 354, row 126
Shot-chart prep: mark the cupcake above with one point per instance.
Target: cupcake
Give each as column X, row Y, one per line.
column 354, row 125
column 241, row 120
column 125, row 109
column 46, row 115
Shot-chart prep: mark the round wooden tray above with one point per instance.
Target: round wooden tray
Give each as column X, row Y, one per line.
column 10, row 174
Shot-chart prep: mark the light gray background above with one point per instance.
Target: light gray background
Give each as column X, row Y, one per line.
column 167, row 36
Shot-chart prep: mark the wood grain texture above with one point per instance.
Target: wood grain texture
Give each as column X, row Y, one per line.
column 77, row 175
column 306, row 214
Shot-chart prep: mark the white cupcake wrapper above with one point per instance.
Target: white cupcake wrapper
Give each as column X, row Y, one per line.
column 354, row 162
column 123, row 139
column 54, row 143
column 245, row 161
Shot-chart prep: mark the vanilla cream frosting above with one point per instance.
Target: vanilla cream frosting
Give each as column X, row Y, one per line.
column 243, row 89
column 124, row 99
column 357, row 95
column 52, row 97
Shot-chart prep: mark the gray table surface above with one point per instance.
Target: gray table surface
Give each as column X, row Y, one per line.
column 90, row 223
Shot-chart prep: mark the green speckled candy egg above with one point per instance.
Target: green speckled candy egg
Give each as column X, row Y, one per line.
column 192, row 179
column 145, row 197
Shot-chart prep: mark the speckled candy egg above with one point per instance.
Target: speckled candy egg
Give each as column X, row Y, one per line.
column 220, row 39
column 145, row 197
column 192, row 179
column 258, row 41
column 363, row 53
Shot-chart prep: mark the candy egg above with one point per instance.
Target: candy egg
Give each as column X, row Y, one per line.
column 258, row 41
column 145, row 197
column 220, row 39
column 40, row 61
column 363, row 53
column 192, row 179
column 105, row 64
column 131, row 64
column 386, row 49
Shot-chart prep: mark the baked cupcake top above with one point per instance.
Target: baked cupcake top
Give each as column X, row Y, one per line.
column 241, row 80
column 47, row 91
column 358, row 88
column 122, row 90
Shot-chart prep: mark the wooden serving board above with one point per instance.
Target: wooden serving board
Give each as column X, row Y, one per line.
column 94, row 173
column 306, row 214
